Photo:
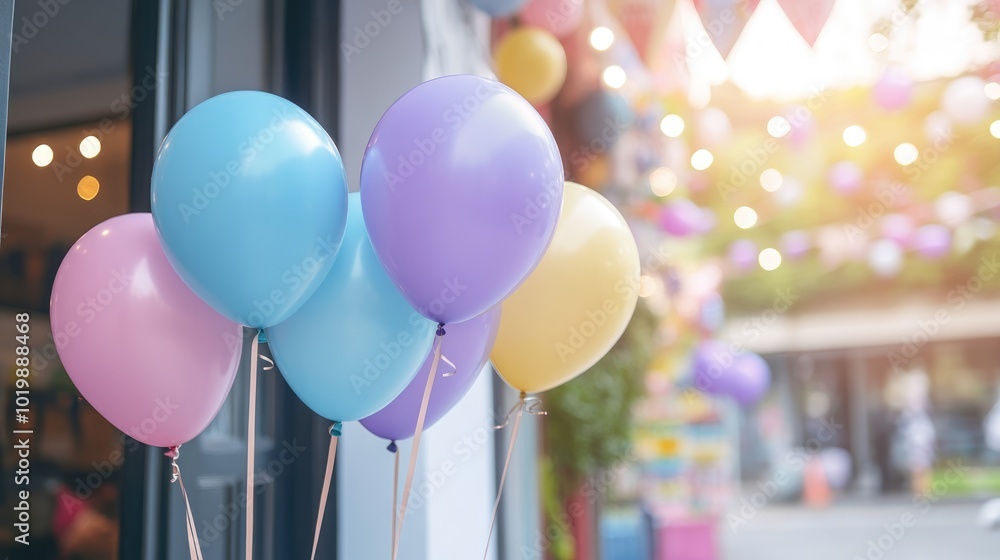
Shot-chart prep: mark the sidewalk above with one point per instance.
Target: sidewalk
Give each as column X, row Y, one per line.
column 892, row 529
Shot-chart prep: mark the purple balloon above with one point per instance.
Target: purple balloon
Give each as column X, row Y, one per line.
column 795, row 244
column 461, row 187
column 681, row 218
column 749, row 378
column 710, row 366
column 845, row 177
column 932, row 241
column 898, row 228
column 743, row 254
column 894, row 90
column 468, row 346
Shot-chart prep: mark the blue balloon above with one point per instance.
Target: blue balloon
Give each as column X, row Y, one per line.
column 357, row 343
column 499, row 8
column 249, row 198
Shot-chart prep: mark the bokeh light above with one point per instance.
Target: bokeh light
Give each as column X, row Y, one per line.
column 745, row 217
column 614, row 76
column 778, row 126
column 769, row 259
column 854, row 135
column 906, row 153
column 42, row 155
column 771, row 179
column 90, row 147
column 601, row 38
column 88, row 187
column 672, row 125
column 662, row 181
column 702, row 159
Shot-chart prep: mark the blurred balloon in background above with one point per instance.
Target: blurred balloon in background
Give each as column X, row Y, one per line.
column 898, row 228
column 601, row 118
column 681, row 217
column 965, row 101
column 532, row 62
column 845, row 177
column 894, row 90
column 932, row 241
column 748, row 379
column 885, row 258
column 743, row 254
column 794, row 244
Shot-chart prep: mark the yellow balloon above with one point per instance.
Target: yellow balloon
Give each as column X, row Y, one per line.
column 532, row 62
column 576, row 304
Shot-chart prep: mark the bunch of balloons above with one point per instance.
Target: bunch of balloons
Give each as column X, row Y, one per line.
column 463, row 227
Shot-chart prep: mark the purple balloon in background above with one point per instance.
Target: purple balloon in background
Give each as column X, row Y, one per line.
column 748, row 379
column 794, row 244
column 932, row 241
column 743, row 254
column 710, row 366
column 461, row 187
column 681, row 218
column 898, row 228
column 845, row 177
column 894, row 90
column 708, row 220
column 468, row 346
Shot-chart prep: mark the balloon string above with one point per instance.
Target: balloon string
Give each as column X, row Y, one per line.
column 407, row 486
column 395, row 488
column 520, row 407
column 331, row 459
column 251, row 437
column 194, row 546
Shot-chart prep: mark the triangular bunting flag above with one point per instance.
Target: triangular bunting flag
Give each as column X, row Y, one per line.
column 808, row 16
column 724, row 20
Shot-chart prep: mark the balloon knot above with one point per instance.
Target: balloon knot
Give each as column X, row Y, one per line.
column 335, row 429
column 392, row 447
column 173, row 452
column 261, row 337
column 440, row 331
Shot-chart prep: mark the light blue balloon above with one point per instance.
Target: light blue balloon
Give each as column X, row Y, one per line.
column 357, row 343
column 249, row 198
column 499, row 8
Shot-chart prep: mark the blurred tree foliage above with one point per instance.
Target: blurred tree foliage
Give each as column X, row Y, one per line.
column 589, row 426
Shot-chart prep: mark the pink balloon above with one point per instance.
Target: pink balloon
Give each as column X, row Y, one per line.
column 894, row 90
column 845, row 177
column 144, row 350
column 561, row 17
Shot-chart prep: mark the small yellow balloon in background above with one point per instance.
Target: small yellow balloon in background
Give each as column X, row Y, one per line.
column 576, row 304
column 532, row 62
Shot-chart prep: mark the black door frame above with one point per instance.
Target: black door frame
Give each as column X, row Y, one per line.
column 307, row 71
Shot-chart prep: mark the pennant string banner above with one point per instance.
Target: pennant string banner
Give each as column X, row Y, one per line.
column 421, row 417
